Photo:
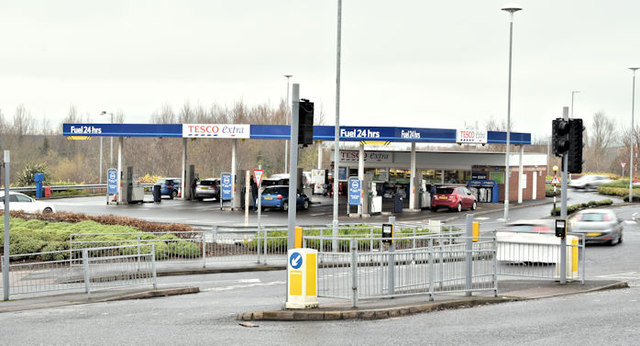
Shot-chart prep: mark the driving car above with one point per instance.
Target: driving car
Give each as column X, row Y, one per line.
column 169, row 186
column 597, row 225
column 454, row 198
column 529, row 241
column 277, row 196
column 207, row 188
column 20, row 201
column 589, row 181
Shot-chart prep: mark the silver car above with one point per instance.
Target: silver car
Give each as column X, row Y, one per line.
column 589, row 181
column 598, row 226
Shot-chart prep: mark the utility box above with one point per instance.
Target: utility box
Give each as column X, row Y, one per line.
column 398, row 202
column 302, row 272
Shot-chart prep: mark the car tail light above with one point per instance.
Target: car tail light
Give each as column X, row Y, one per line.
column 578, row 217
column 607, row 218
column 169, row 186
column 279, row 197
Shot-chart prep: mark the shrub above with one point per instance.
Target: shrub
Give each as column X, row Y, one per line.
column 577, row 207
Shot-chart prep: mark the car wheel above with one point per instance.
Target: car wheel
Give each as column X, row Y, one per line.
column 459, row 209
column 474, row 205
column 434, row 209
column 174, row 194
column 47, row 210
column 305, row 205
column 285, row 206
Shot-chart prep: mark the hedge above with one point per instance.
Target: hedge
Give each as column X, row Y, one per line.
column 577, row 207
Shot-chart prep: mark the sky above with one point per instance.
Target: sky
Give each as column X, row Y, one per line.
column 406, row 63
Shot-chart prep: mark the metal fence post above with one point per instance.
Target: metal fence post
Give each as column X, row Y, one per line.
column 153, row 266
column 354, row 274
column 204, row 251
column 138, row 251
column 469, row 256
column 391, row 264
column 495, row 266
column 265, row 234
column 85, row 268
column 431, row 269
column 259, row 245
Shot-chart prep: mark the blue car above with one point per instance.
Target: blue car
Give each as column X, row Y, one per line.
column 169, row 186
column 277, row 196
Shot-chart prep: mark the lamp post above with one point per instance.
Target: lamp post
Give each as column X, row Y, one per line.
column 111, row 150
column 511, row 9
column 287, row 116
column 336, row 133
column 633, row 132
column 572, row 96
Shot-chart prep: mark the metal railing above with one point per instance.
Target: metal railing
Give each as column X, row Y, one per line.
column 69, row 187
column 537, row 255
column 445, row 265
column 100, row 269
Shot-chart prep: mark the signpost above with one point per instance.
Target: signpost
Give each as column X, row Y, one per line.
column 622, row 164
column 227, row 188
column 355, row 193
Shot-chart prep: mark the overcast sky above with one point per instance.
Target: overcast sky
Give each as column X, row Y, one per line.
column 404, row 63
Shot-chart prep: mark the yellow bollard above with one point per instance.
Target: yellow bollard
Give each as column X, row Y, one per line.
column 475, row 230
column 297, row 243
column 574, row 258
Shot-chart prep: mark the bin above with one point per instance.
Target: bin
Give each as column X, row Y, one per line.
column 47, row 191
column 157, row 197
column 397, row 203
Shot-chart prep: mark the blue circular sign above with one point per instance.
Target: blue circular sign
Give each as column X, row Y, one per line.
column 295, row 260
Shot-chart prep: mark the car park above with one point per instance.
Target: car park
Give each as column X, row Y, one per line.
column 598, row 226
column 589, row 181
column 454, row 198
column 207, row 188
column 20, row 201
column 169, row 186
column 277, row 196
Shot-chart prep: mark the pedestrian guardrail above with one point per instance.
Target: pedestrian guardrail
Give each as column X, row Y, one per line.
column 96, row 269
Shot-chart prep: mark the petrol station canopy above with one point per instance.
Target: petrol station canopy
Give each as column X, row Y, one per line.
column 322, row 133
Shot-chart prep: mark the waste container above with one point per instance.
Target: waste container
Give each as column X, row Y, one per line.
column 397, row 203
column 47, row 191
column 157, row 197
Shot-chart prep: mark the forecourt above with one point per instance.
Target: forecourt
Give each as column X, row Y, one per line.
column 320, row 133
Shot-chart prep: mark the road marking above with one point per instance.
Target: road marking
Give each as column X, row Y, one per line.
column 622, row 276
column 481, row 218
column 233, row 287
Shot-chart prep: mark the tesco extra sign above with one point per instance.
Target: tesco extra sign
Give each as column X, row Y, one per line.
column 471, row 136
column 216, row 130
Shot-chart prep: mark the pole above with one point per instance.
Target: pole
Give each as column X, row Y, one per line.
column 111, row 151
column 287, row 116
column 293, row 165
column 247, row 191
column 563, row 208
column 506, row 158
column 100, row 166
column 633, row 132
column 336, row 140
column 5, row 267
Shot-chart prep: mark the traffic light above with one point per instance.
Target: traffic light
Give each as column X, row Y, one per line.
column 575, row 146
column 305, row 122
column 560, row 136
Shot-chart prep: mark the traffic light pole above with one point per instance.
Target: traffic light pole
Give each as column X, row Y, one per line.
column 563, row 207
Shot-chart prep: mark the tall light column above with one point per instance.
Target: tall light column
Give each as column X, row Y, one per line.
column 336, row 133
column 633, row 132
column 573, row 93
column 287, row 116
column 511, row 10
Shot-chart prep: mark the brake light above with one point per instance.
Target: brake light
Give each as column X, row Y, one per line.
column 540, row 229
column 607, row 218
column 578, row 217
column 169, row 186
column 279, row 197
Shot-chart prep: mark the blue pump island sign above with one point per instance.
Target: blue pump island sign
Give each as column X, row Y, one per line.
column 227, row 186
column 354, row 191
column 112, row 181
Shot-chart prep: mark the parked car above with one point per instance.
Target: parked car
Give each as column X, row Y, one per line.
column 20, row 201
column 589, row 181
column 208, row 188
column 454, row 198
column 598, row 226
column 169, row 186
column 277, row 196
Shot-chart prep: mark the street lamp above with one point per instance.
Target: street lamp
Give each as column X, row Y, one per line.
column 111, row 151
column 511, row 9
column 572, row 95
column 287, row 116
column 336, row 133
column 632, row 142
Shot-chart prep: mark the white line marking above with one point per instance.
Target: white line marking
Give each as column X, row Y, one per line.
column 233, row 287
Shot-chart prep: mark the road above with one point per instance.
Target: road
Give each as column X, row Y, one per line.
column 609, row 317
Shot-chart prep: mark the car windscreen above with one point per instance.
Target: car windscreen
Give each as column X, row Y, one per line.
column 444, row 190
column 208, row 183
column 275, row 191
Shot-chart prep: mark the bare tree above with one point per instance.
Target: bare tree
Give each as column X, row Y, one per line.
column 599, row 139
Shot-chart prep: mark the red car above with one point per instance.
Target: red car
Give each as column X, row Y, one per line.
column 453, row 197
